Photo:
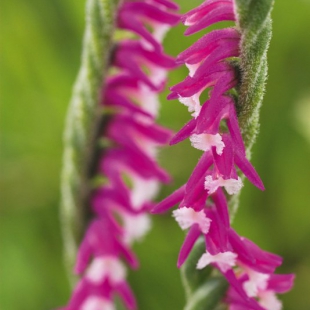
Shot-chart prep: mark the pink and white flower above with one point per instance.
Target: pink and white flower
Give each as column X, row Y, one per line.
column 214, row 129
column 120, row 205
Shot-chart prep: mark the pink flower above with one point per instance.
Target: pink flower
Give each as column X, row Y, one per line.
column 214, row 129
column 128, row 162
column 208, row 13
column 266, row 287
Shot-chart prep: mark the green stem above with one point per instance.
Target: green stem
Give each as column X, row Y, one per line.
column 254, row 23
column 83, row 123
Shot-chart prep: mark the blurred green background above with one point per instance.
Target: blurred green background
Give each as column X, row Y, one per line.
column 40, row 52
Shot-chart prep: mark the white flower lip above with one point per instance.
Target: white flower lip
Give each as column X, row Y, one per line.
column 192, row 68
column 257, row 282
column 192, row 103
column 143, row 190
column 224, row 260
column 159, row 31
column 232, row 186
column 97, row 303
column 148, row 99
column 186, row 217
column 205, row 142
column 106, row 267
column 135, row 227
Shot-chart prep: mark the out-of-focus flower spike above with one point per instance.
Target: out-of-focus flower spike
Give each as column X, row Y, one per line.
column 126, row 294
column 130, row 132
column 140, row 163
column 135, row 226
column 93, row 303
column 113, row 99
column 128, row 254
column 91, row 244
column 83, row 257
column 128, row 163
column 131, row 15
column 167, row 3
column 131, row 56
column 140, row 130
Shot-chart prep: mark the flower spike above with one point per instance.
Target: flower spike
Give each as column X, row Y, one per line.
column 213, row 62
column 120, row 205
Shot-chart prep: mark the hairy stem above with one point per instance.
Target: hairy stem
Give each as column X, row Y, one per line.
column 254, row 23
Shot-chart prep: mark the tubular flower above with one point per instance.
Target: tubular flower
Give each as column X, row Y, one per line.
column 214, row 130
column 128, row 161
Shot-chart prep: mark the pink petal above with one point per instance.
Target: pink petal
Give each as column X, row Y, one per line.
column 225, row 163
column 200, row 81
column 170, row 201
column 190, row 239
column 126, row 294
column 184, row 132
column 221, row 207
column 281, row 283
column 251, row 255
column 233, row 126
column 200, row 170
column 246, row 167
column 212, row 13
column 169, row 4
